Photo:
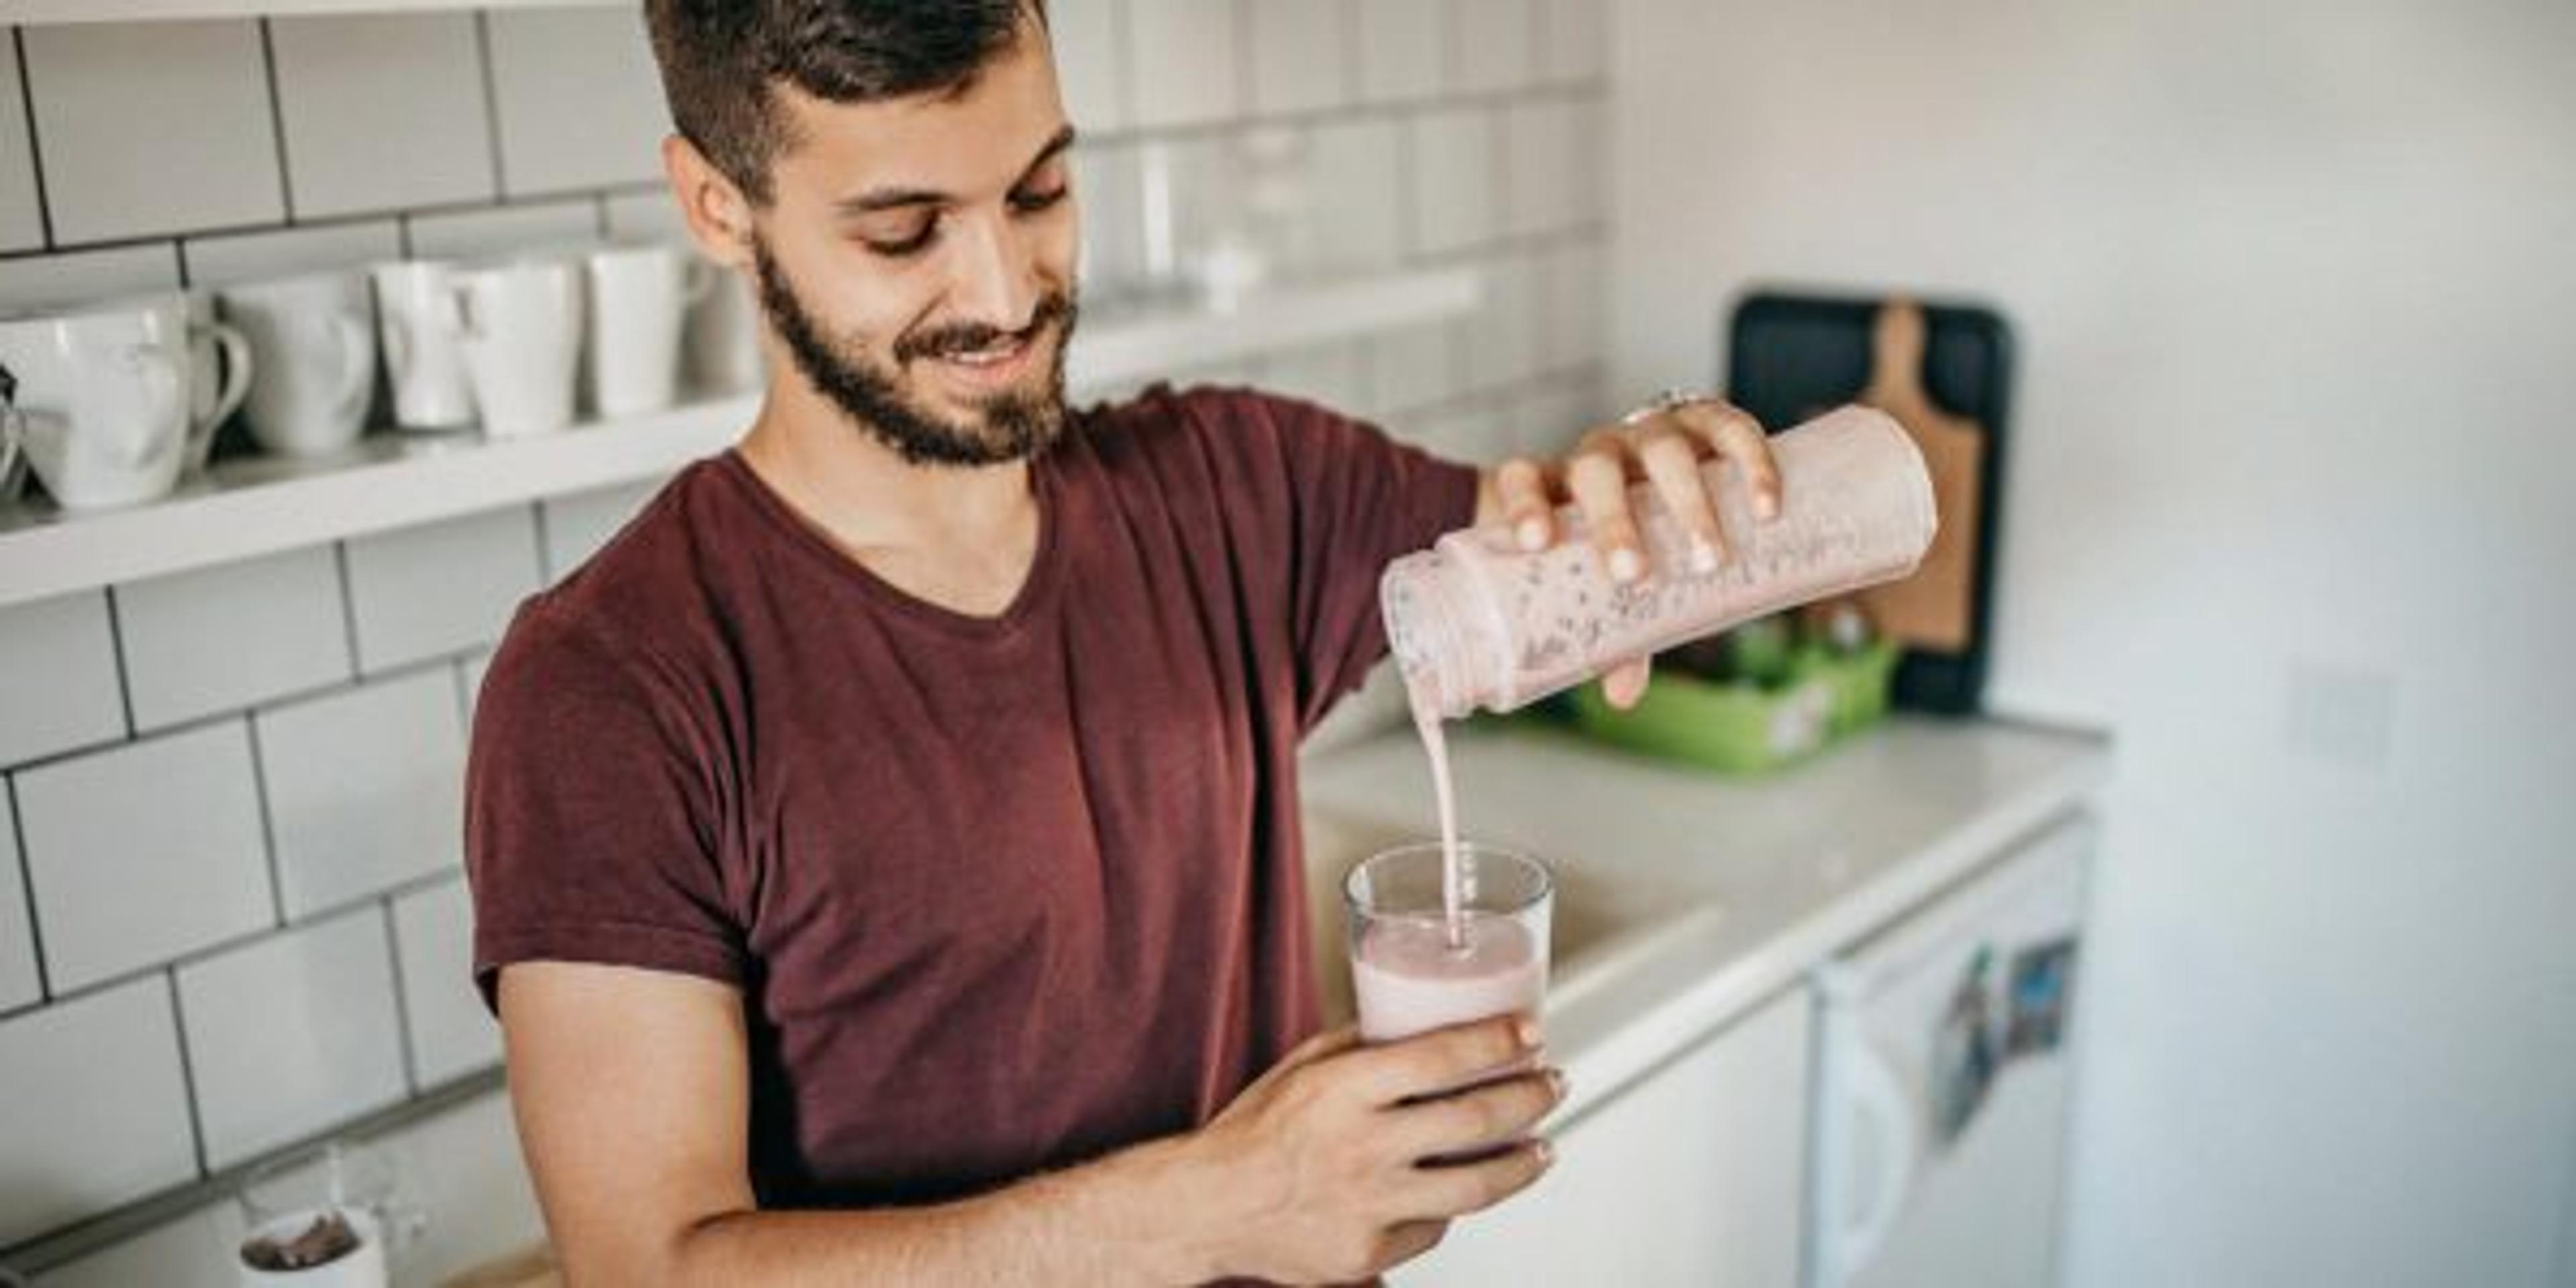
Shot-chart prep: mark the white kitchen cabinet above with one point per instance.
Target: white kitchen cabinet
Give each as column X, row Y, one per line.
column 1692, row 1176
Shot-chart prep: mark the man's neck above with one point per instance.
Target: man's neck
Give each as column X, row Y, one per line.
column 963, row 538
column 847, row 481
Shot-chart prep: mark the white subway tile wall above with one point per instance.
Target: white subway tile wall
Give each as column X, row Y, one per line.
column 451, row 1034
column 292, row 1034
column 1573, row 40
column 365, row 789
column 252, row 257
column 347, row 84
column 33, row 282
column 1457, row 193
column 1357, row 171
column 469, row 681
column 144, row 852
column 153, row 128
column 578, row 525
column 22, row 217
column 1402, row 50
column 579, row 100
column 97, row 1108
column 58, row 678
column 1300, row 54
column 644, row 214
column 1187, row 60
column 1543, row 161
column 229, row 798
column 1494, row 43
column 1087, row 67
column 230, row 636
column 505, row 230
column 194, row 1251
column 416, row 593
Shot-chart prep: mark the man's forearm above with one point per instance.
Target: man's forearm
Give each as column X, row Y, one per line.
column 1124, row 1219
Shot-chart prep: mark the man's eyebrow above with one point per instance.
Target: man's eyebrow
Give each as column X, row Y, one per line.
column 896, row 198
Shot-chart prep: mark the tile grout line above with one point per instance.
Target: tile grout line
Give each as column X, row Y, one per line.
column 1395, row 113
column 348, row 607
column 464, row 700
column 267, row 822
column 229, row 945
column 350, row 683
column 545, row 560
column 276, row 119
column 402, row 997
column 491, row 83
column 27, row 886
column 35, row 144
column 187, row 1070
column 124, row 681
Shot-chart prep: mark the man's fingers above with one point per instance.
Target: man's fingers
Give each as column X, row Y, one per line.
column 1597, row 478
column 1521, row 486
column 1671, row 460
column 1441, row 1059
column 1405, row 1242
column 1734, row 435
column 1472, row 1187
column 1625, row 684
column 1496, row 1111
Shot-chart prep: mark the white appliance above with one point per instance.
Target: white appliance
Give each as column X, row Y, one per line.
column 1944, row 1058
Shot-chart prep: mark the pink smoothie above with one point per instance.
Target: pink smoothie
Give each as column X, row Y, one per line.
column 1409, row 979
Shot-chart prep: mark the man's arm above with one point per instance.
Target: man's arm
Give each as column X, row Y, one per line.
column 633, row 1104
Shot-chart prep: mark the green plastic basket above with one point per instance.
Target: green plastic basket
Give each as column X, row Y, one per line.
column 1745, row 728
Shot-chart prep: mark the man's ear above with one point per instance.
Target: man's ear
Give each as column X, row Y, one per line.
column 718, row 215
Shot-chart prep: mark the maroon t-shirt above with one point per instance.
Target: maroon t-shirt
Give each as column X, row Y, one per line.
column 1000, row 893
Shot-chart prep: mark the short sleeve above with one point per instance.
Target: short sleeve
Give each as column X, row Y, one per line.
column 1361, row 500
column 591, row 832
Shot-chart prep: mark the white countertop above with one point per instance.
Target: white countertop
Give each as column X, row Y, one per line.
column 1687, row 898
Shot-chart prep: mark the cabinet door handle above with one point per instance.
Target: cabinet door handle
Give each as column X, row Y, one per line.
column 1877, row 1100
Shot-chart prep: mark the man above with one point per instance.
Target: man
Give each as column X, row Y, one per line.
column 885, row 850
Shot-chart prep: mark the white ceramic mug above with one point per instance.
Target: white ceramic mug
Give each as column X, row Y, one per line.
column 102, row 403
column 724, row 336
column 358, row 1183
column 416, row 312
column 640, row 297
column 314, row 340
column 519, row 326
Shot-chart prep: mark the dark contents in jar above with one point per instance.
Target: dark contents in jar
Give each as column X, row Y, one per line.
column 328, row 1239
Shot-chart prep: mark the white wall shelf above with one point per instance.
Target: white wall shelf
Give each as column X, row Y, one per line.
column 72, row 11
column 255, row 505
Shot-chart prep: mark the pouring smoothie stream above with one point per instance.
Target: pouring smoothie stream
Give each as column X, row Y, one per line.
column 1476, row 622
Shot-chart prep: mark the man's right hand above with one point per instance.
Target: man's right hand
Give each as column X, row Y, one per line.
column 1317, row 1169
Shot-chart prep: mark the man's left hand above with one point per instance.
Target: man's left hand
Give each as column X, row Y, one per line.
column 1665, row 445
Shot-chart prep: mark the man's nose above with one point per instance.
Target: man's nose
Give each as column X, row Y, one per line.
column 992, row 283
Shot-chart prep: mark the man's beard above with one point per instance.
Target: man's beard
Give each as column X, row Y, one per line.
column 1015, row 425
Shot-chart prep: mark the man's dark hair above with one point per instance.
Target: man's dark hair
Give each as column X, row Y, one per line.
column 721, row 61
